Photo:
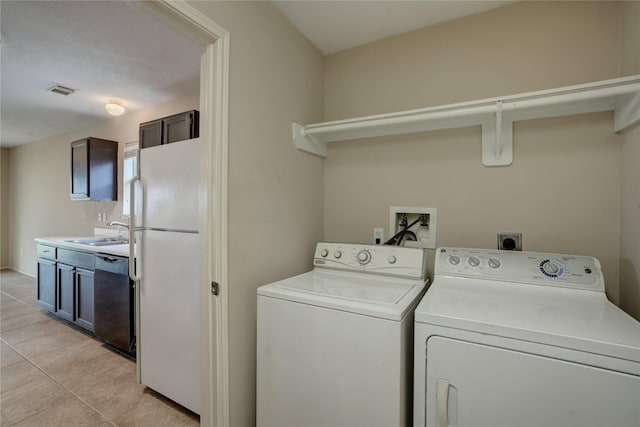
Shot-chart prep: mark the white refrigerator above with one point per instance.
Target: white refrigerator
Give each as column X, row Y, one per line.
column 165, row 228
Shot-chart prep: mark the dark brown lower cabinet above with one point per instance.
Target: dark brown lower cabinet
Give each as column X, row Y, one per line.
column 85, row 298
column 66, row 307
column 66, row 285
column 46, row 284
column 76, row 295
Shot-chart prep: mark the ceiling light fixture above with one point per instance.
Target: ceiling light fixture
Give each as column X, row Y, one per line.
column 114, row 108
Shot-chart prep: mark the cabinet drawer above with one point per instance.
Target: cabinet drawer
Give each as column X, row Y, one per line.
column 76, row 258
column 48, row 252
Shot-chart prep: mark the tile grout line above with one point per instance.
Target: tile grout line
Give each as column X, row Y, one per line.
column 110, row 420
column 15, row 298
column 60, row 384
column 49, row 376
column 19, row 300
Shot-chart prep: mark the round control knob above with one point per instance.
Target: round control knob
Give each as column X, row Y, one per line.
column 473, row 261
column 550, row 268
column 364, row 257
column 454, row 259
column 392, row 259
column 337, row 254
column 324, row 253
column 494, row 262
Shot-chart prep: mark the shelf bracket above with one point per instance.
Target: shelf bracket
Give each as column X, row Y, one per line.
column 308, row 143
column 497, row 139
column 627, row 111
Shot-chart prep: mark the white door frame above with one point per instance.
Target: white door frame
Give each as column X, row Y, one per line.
column 214, row 133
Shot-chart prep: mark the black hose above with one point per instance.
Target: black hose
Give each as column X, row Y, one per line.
column 400, row 234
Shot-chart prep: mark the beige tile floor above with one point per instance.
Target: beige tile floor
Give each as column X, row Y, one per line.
column 54, row 375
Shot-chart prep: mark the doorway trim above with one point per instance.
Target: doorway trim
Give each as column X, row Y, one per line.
column 214, row 133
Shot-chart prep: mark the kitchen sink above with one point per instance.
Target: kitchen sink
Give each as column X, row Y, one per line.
column 100, row 241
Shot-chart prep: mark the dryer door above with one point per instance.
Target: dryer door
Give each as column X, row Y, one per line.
column 471, row 384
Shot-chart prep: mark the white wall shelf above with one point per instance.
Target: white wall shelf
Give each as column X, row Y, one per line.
column 495, row 115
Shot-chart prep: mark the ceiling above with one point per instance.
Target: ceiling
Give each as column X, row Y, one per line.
column 333, row 26
column 115, row 50
column 103, row 49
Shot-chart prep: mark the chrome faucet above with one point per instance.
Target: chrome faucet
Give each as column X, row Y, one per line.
column 120, row 223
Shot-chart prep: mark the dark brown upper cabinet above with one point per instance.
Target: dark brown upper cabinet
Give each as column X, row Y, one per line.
column 151, row 134
column 94, row 169
column 166, row 130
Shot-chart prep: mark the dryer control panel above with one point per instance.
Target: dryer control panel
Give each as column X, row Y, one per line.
column 375, row 259
column 568, row 271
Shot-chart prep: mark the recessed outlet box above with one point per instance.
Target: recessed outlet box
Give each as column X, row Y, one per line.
column 510, row 241
column 422, row 222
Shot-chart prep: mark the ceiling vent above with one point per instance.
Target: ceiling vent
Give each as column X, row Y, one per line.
column 60, row 90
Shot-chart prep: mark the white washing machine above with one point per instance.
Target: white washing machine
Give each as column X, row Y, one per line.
column 335, row 345
column 523, row 339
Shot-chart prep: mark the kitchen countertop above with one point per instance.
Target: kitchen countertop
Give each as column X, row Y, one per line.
column 119, row 250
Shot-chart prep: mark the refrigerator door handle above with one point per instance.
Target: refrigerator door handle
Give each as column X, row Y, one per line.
column 134, row 262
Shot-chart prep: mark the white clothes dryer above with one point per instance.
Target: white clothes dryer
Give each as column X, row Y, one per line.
column 335, row 345
column 523, row 339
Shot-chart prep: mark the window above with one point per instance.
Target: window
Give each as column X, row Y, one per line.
column 130, row 171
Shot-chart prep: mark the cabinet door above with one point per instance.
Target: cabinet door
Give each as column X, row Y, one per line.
column 94, row 169
column 66, row 292
column 80, row 170
column 103, row 169
column 150, row 134
column 180, row 127
column 85, row 298
column 46, row 284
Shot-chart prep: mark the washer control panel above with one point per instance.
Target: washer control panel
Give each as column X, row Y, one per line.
column 569, row 271
column 376, row 259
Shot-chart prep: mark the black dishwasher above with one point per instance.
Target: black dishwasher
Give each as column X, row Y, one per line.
column 114, row 303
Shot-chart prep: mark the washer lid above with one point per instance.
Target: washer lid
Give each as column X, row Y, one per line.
column 370, row 295
column 568, row 318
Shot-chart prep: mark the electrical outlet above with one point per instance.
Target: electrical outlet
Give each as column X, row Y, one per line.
column 99, row 216
column 510, row 241
column 378, row 235
column 422, row 222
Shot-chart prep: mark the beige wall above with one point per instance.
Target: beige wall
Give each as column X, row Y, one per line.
column 630, row 200
column 517, row 48
column 40, row 203
column 563, row 189
column 4, row 207
column 275, row 191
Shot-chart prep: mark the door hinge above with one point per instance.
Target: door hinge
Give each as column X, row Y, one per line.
column 215, row 288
